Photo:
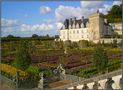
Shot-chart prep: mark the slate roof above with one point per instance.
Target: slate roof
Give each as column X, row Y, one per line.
column 74, row 21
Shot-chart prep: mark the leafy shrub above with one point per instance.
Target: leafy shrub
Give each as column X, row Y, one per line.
column 33, row 69
column 74, row 45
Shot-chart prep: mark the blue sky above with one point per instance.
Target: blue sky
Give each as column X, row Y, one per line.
column 45, row 17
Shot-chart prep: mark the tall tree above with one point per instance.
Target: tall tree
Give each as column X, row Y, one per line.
column 23, row 58
column 100, row 59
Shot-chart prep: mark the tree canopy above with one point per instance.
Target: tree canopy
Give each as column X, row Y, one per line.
column 115, row 14
column 100, row 59
column 23, row 58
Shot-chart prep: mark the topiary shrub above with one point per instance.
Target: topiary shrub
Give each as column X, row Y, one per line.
column 83, row 43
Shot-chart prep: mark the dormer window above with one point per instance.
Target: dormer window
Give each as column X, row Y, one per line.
column 77, row 25
column 77, row 31
column 73, row 31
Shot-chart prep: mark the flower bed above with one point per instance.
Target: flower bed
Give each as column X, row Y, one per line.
column 8, row 69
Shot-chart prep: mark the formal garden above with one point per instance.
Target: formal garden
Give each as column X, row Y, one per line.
column 28, row 57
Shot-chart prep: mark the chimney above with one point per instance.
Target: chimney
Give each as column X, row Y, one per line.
column 98, row 11
column 75, row 18
column 67, row 23
column 75, row 21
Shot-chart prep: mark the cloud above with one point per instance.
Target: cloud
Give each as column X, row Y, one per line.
column 59, row 25
column 7, row 30
column 63, row 12
column 45, row 10
column 38, row 27
column 90, row 4
column 117, row 2
column 8, row 22
column 85, row 9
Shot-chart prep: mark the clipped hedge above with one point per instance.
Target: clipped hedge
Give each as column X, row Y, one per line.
column 92, row 71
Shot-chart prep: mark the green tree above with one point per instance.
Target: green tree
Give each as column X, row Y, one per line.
column 115, row 14
column 23, row 58
column 35, row 36
column 10, row 36
column 100, row 59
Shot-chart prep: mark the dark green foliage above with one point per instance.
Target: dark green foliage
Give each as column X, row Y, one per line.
column 100, row 59
column 115, row 14
column 67, row 44
column 58, row 45
column 30, row 82
column 114, row 65
column 91, row 71
column 35, row 36
column 10, row 36
column 74, row 45
column 23, row 58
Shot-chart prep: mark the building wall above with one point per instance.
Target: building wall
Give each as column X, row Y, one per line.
column 78, row 34
column 64, row 34
column 94, row 27
column 74, row 34
column 118, row 28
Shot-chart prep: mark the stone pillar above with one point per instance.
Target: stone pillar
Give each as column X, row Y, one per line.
column 121, row 83
column 108, row 84
column 40, row 84
column 96, row 85
column 85, row 87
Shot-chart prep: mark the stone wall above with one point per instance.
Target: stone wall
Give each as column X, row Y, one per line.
column 105, row 81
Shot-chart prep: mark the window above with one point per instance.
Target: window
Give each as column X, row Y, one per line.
column 82, row 36
column 77, row 31
column 73, row 31
column 82, row 31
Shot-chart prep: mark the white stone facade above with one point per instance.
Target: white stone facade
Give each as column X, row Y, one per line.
column 74, row 34
column 92, row 29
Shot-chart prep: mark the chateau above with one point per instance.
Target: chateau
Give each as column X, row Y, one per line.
column 93, row 28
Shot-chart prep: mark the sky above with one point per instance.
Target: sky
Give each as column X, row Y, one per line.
column 24, row 18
